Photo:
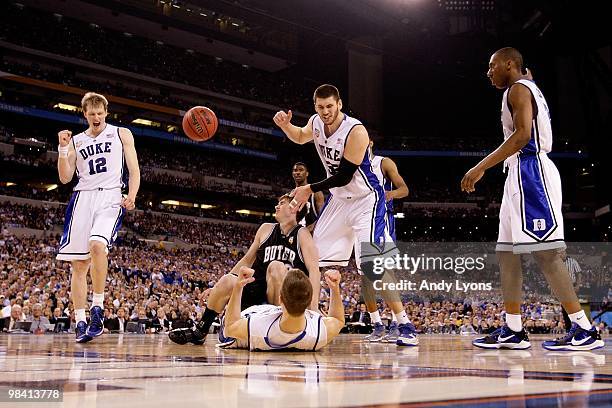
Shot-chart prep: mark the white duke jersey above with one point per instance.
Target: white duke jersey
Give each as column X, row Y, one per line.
column 265, row 333
column 331, row 150
column 541, row 129
column 100, row 163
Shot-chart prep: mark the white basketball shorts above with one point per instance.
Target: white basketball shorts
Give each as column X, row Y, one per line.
column 92, row 215
column 347, row 223
column 530, row 216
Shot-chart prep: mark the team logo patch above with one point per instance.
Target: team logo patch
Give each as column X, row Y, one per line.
column 539, row 224
column 290, row 240
column 78, row 144
column 339, row 141
column 316, row 133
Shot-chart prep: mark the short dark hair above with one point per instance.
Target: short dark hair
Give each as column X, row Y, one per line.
column 325, row 91
column 300, row 164
column 296, row 292
column 512, row 54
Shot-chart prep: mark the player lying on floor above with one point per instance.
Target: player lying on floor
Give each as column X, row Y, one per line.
column 275, row 249
column 288, row 326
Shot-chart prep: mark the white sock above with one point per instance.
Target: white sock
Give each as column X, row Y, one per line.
column 580, row 319
column 79, row 315
column 394, row 318
column 98, row 300
column 375, row 316
column 402, row 317
column 514, row 322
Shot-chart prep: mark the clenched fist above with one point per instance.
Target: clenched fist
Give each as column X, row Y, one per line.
column 332, row 278
column 64, row 137
column 283, row 119
column 245, row 276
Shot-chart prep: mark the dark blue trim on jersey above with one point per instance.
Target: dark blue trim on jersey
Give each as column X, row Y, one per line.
column 532, row 146
column 327, row 200
column 313, row 206
column 65, row 240
column 378, row 223
column 388, row 186
column 535, row 202
column 117, row 225
column 124, row 173
column 349, row 132
column 76, row 155
column 298, row 338
column 318, row 333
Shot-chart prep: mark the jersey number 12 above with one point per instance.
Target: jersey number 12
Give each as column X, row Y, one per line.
column 100, row 166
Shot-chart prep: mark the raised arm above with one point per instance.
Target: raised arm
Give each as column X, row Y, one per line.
column 299, row 135
column 66, row 160
column 519, row 98
column 131, row 160
column 334, row 322
column 389, row 169
column 311, row 259
column 235, row 325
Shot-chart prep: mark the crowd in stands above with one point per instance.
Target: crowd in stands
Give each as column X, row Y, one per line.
column 483, row 317
column 69, row 37
column 422, row 189
column 146, row 281
column 216, row 165
column 190, row 230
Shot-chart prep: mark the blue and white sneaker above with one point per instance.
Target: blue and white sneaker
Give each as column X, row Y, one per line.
column 576, row 339
column 392, row 335
column 504, row 337
column 96, row 323
column 224, row 342
column 407, row 335
column 81, row 333
column 377, row 334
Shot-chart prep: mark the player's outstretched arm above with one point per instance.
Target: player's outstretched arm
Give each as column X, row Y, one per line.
column 66, row 160
column 519, row 98
column 311, row 260
column 131, row 160
column 389, row 169
column 299, row 135
column 235, row 325
column 334, row 322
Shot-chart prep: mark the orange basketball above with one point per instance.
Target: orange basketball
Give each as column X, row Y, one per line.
column 200, row 123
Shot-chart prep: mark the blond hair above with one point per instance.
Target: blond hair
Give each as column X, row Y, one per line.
column 91, row 99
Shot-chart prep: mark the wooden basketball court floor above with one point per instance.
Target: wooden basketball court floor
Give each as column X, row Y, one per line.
column 150, row 371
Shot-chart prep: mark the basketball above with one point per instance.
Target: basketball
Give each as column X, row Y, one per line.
column 200, row 123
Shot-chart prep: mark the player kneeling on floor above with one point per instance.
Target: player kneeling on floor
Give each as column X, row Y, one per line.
column 288, row 326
